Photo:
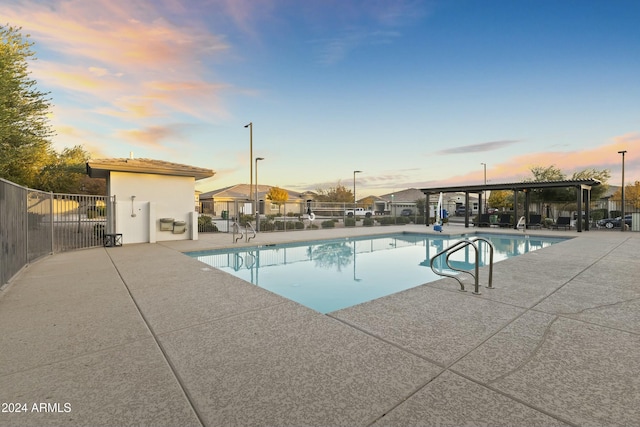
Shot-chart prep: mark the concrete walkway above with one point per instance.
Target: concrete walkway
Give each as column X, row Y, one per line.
column 144, row 335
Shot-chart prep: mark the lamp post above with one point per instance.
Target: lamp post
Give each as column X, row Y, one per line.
column 622, row 221
column 257, row 205
column 250, row 126
column 354, row 188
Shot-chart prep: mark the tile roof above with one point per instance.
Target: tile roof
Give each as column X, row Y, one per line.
column 100, row 168
column 241, row 191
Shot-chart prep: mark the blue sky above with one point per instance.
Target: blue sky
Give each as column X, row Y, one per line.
column 413, row 93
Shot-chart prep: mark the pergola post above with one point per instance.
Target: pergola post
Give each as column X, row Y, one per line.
column 466, row 211
column 427, row 214
column 587, row 208
column 527, row 203
column 579, row 203
column 515, row 208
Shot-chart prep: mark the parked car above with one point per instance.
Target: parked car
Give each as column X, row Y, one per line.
column 460, row 210
column 406, row 212
column 614, row 222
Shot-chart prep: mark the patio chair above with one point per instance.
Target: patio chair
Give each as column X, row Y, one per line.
column 563, row 221
column 505, row 220
column 484, row 220
column 535, row 221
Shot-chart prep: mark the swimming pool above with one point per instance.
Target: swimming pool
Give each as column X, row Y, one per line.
column 327, row 275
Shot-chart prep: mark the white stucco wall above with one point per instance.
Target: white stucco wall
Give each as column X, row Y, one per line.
column 156, row 196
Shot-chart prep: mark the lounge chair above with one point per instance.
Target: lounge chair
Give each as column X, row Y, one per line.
column 535, row 221
column 564, row 222
column 505, row 220
column 484, row 221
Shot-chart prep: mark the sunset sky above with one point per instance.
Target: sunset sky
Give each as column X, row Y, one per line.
column 413, row 93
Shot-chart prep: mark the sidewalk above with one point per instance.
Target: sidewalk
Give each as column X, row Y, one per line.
column 144, row 335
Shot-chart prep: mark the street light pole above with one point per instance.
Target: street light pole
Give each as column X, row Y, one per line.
column 622, row 221
column 354, row 188
column 257, row 205
column 250, row 126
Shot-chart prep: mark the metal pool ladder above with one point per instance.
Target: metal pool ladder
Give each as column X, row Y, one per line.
column 242, row 233
column 455, row 248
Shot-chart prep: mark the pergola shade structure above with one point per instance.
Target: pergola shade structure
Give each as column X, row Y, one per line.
column 583, row 196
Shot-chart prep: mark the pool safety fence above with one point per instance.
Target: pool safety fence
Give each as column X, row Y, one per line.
column 36, row 223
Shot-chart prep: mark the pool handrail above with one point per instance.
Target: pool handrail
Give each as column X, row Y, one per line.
column 237, row 230
column 456, row 247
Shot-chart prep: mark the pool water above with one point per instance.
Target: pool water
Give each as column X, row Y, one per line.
column 328, row 275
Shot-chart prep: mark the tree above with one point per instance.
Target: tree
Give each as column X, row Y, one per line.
column 278, row 196
column 631, row 195
column 500, row 199
column 64, row 172
column 603, row 176
column 25, row 131
column 367, row 202
column 568, row 194
column 546, row 195
column 339, row 193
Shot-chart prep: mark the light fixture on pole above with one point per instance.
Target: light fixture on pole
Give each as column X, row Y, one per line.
column 257, row 202
column 623, row 223
column 250, row 126
column 354, row 186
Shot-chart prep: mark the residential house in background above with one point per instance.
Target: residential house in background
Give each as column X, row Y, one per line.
column 394, row 203
column 229, row 202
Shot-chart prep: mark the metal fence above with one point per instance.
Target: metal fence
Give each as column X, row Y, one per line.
column 35, row 223
column 219, row 216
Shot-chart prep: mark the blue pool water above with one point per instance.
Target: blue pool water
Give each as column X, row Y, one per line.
column 327, row 275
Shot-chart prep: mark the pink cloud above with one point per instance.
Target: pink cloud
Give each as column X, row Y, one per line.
column 125, row 55
column 602, row 157
column 152, row 136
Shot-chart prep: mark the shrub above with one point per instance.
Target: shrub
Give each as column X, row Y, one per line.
column 367, row 222
column 328, row 224
column 245, row 219
column 279, row 225
column 598, row 214
column 390, row 220
column 290, row 225
column 96, row 211
column 267, row 226
column 349, row 222
column 313, row 227
column 206, row 225
column 403, row 220
column 299, row 225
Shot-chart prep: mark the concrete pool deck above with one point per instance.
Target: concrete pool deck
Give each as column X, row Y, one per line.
column 145, row 335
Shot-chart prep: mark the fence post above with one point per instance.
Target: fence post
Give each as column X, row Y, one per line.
column 51, row 220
